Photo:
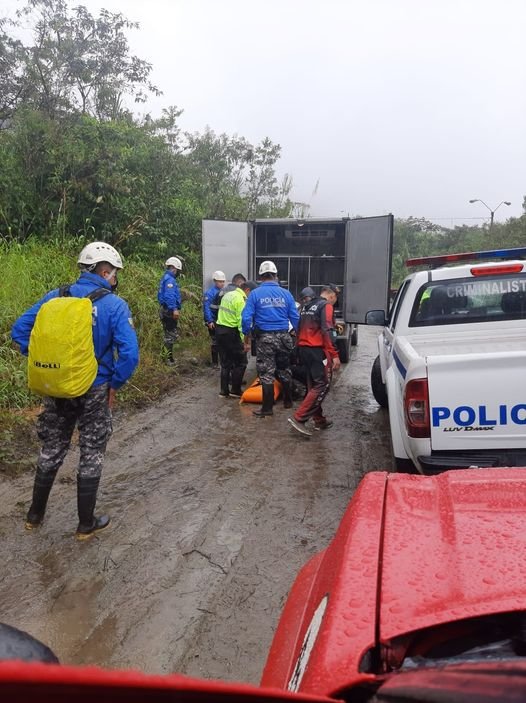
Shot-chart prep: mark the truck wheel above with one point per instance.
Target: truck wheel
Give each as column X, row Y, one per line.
column 354, row 336
column 342, row 345
column 377, row 386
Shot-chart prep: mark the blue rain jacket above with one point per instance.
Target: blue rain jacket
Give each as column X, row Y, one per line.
column 269, row 308
column 169, row 295
column 210, row 307
column 112, row 330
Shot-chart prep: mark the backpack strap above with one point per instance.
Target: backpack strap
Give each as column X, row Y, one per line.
column 64, row 291
column 98, row 294
column 94, row 296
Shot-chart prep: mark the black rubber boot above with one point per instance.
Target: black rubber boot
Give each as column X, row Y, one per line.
column 287, row 395
column 41, row 489
column 224, row 379
column 237, row 379
column 86, row 498
column 268, row 401
column 169, row 354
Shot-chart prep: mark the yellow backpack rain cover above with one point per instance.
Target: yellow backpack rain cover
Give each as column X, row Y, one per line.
column 61, row 360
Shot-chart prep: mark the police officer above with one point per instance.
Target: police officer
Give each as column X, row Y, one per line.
column 169, row 297
column 268, row 312
column 211, row 302
column 117, row 354
column 232, row 350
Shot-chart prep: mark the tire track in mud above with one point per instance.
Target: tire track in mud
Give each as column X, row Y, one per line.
column 214, row 513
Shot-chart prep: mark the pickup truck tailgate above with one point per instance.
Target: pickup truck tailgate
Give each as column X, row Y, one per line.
column 477, row 401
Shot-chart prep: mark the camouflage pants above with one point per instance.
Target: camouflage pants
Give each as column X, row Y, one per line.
column 170, row 333
column 273, row 351
column 55, row 427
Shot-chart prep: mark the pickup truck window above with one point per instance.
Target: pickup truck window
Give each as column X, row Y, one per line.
column 474, row 299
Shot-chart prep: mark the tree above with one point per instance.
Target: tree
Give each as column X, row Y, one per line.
column 76, row 63
column 237, row 179
column 12, row 81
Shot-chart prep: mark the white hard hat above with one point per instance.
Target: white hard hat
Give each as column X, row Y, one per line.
column 218, row 276
column 96, row 252
column 175, row 262
column 268, row 267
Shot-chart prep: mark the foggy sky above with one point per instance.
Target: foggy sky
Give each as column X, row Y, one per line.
column 404, row 106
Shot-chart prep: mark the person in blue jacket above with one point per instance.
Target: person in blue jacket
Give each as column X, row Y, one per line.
column 270, row 312
column 117, row 353
column 211, row 301
column 169, row 297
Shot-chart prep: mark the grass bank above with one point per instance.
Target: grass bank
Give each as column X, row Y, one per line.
column 28, row 271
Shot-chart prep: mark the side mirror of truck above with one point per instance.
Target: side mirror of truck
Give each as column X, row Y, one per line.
column 375, row 317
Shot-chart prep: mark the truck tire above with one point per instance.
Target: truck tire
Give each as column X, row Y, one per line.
column 342, row 345
column 354, row 336
column 377, row 386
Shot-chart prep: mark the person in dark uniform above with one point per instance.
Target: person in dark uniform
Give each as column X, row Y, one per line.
column 318, row 356
column 268, row 313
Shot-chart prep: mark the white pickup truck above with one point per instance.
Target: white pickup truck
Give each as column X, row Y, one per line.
column 451, row 366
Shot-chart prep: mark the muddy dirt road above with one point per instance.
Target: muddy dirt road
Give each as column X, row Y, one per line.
column 214, row 512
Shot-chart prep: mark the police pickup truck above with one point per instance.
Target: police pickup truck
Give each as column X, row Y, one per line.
column 451, row 366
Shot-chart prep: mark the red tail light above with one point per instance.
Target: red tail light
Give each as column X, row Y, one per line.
column 416, row 406
column 496, row 270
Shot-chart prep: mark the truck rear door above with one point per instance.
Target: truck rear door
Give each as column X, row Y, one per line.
column 369, row 245
column 225, row 247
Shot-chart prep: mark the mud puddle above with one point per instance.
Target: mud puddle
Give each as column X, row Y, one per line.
column 214, row 512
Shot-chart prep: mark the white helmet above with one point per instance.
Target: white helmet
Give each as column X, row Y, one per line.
column 268, row 267
column 96, row 252
column 175, row 262
column 218, row 276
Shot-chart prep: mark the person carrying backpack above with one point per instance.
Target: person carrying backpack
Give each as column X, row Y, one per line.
column 81, row 347
column 211, row 302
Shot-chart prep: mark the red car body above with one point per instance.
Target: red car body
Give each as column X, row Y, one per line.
column 417, row 562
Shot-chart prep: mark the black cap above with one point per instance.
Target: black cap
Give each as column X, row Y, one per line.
column 252, row 285
column 307, row 293
column 332, row 287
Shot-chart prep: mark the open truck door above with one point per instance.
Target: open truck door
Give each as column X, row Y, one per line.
column 226, row 246
column 369, row 248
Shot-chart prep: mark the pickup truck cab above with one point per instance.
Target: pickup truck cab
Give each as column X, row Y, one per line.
column 451, row 365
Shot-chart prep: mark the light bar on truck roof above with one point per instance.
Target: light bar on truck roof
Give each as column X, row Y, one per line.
column 434, row 261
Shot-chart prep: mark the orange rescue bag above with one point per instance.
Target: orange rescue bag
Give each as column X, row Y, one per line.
column 254, row 393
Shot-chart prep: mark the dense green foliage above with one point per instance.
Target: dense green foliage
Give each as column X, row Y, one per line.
column 77, row 163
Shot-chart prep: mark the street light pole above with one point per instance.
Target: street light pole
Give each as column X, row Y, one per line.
column 491, row 212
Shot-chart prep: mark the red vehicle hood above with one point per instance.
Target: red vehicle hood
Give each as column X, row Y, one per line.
column 411, row 552
column 454, row 547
